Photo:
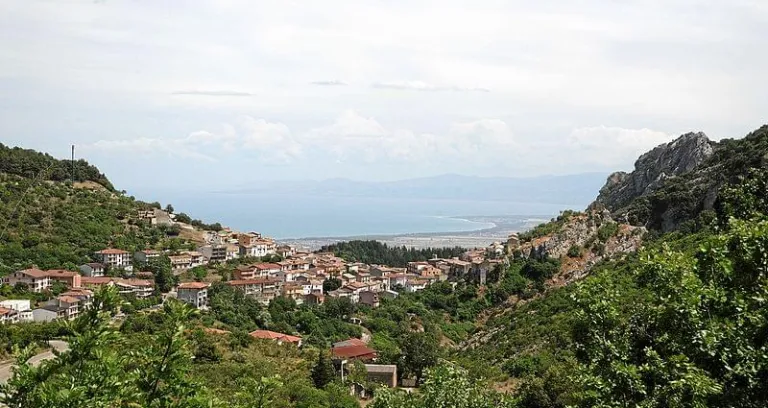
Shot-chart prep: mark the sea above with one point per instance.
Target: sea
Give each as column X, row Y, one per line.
column 296, row 216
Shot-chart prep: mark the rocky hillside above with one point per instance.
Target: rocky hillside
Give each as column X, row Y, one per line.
column 581, row 241
column 675, row 182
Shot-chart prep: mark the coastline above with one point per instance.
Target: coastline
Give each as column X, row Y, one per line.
column 497, row 228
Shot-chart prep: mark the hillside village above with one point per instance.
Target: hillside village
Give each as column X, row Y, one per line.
column 291, row 273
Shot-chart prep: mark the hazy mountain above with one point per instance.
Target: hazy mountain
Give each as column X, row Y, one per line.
column 574, row 190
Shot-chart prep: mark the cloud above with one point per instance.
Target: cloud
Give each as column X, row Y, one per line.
column 611, row 148
column 333, row 82
column 423, row 86
column 212, row 93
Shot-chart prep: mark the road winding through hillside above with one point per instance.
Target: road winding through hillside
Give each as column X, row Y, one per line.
column 6, row 370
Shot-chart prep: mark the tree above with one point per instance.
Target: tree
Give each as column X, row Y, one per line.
column 169, row 209
column 420, row 351
column 698, row 340
column 445, row 386
column 331, row 284
column 165, row 280
column 258, row 394
column 323, row 373
column 98, row 371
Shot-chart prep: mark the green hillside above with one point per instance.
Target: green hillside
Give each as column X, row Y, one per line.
column 48, row 222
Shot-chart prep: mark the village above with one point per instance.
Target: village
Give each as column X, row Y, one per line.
column 303, row 276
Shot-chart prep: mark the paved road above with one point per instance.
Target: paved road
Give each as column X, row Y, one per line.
column 5, row 370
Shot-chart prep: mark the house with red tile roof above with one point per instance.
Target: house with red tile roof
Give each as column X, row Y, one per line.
column 35, row 279
column 69, row 278
column 280, row 338
column 354, row 352
column 194, row 293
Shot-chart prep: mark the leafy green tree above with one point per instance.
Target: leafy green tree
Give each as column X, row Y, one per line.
column 698, row 341
column 258, row 393
column 323, row 373
column 445, row 386
column 420, row 351
column 97, row 371
column 331, row 284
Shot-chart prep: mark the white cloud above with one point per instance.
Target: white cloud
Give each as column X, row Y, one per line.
column 213, row 93
column 332, row 82
column 612, row 147
column 423, row 86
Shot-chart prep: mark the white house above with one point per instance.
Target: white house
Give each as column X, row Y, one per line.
column 92, row 270
column 194, row 293
column 117, row 258
column 35, row 279
column 22, row 306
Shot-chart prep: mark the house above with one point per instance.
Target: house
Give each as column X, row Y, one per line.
column 285, row 251
column 8, row 315
column 140, row 288
column 428, row 271
column 257, row 248
column 293, row 291
column 194, row 293
column 22, row 306
column 398, row 279
column 71, row 279
column 233, row 252
column 96, row 282
column 248, row 239
column 147, row 255
column 314, row 299
column 513, row 243
column 354, row 352
column 147, row 215
column 495, row 250
column 85, row 297
column 116, row 258
column 263, row 289
column 35, row 279
column 214, row 253
column 382, row 374
column 416, row 267
column 369, row 298
column 180, row 262
column 196, row 258
column 92, row 269
column 280, row 338
column 288, row 275
column 416, row 284
column 60, row 308
column 267, row 269
column 459, row 269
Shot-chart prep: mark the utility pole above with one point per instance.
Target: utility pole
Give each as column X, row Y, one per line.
column 73, row 165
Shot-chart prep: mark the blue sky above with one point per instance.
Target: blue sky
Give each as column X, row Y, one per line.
column 231, row 92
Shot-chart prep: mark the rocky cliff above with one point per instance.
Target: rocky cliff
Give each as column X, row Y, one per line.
column 594, row 234
column 653, row 169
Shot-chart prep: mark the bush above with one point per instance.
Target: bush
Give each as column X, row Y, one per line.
column 574, row 251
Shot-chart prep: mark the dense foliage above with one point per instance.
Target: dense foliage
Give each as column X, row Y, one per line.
column 35, row 165
column 377, row 253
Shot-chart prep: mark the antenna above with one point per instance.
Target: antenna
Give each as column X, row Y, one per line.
column 73, row 165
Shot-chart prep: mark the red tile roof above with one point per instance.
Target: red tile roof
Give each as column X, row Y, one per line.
column 98, row 280
column 58, row 273
column 266, row 266
column 34, row 272
column 112, row 251
column 194, row 285
column 362, row 352
column 270, row 335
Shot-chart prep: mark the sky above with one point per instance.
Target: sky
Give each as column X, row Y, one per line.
column 213, row 93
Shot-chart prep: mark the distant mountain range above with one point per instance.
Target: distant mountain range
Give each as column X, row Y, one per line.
column 571, row 190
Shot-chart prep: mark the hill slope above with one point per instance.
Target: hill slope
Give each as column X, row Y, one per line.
column 676, row 182
column 666, row 326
